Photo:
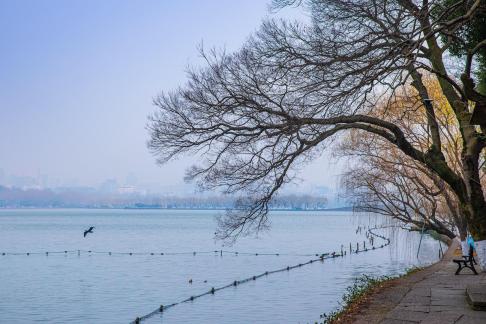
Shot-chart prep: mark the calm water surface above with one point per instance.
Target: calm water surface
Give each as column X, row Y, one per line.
column 99, row 288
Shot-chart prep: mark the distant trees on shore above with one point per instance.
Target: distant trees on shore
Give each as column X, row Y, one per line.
column 47, row 198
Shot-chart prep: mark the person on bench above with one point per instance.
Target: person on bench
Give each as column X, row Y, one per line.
column 467, row 261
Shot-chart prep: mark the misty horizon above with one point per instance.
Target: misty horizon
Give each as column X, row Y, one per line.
column 76, row 90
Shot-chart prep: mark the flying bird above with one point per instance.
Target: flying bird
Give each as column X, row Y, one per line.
column 90, row 230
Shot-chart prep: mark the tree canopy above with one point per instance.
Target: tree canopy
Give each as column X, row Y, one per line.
column 383, row 180
column 468, row 35
column 257, row 114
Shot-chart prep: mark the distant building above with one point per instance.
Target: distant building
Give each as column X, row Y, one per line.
column 126, row 190
column 109, row 186
column 2, row 177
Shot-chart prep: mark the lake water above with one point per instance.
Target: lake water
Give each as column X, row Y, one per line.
column 102, row 288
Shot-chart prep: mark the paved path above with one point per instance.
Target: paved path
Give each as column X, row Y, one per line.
column 433, row 295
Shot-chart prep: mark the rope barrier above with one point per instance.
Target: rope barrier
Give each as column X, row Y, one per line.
column 39, row 253
column 212, row 291
column 215, row 252
column 370, row 235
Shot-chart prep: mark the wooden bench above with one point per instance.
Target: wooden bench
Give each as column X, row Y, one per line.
column 467, row 261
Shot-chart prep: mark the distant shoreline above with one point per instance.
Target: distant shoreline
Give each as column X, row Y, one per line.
column 271, row 209
column 343, row 209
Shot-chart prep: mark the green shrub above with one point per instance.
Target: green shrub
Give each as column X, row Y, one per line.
column 360, row 288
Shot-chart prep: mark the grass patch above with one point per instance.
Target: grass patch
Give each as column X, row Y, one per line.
column 357, row 294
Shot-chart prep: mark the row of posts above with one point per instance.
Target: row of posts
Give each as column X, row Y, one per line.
column 235, row 283
column 363, row 247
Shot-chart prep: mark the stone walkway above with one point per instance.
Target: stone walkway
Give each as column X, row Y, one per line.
column 433, row 295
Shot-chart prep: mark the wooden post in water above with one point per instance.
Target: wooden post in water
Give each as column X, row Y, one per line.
column 357, row 246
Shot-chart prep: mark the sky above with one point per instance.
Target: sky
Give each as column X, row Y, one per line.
column 77, row 80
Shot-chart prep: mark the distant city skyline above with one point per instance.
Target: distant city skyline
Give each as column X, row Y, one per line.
column 78, row 78
column 131, row 184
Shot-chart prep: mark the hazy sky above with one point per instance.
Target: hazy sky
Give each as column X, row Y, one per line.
column 77, row 80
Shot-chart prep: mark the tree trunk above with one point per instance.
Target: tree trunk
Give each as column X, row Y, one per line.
column 475, row 203
column 475, row 208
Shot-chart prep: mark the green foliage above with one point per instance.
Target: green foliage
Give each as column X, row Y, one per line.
column 468, row 35
column 360, row 289
column 361, row 286
column 481, row 75
column 411, row 270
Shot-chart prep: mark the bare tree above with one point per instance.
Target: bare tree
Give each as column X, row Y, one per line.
column 384, row 180
column 257, row 114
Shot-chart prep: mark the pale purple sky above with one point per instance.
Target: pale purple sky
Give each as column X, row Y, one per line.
column 78, row 77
